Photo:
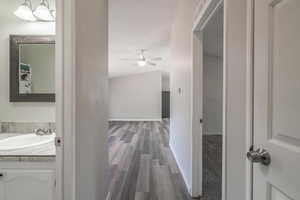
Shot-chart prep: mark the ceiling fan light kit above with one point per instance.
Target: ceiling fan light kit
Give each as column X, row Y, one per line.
column 41, row 13
column 142, row 61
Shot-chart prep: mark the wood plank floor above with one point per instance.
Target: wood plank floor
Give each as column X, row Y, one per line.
column 142, row 166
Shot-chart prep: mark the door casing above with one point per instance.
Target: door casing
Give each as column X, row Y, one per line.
column 204, row 12
column 249, row 95
column 65, row 99
column 238, row 41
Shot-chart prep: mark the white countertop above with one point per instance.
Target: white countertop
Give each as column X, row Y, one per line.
column 36, row 153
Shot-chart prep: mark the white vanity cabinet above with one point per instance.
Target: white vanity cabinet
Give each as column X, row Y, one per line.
column 27, row 183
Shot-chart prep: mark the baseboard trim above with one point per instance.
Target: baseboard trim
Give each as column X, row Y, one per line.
column 136, row 120
column 212, row 133
column 181, row 171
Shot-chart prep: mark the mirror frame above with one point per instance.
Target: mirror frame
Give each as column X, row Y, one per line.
column 15, row 42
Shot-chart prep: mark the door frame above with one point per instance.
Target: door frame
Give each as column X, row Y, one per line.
column 241, row 11
column 204, row 12
column 65, row 82
column 249, row 96
column 65, row 99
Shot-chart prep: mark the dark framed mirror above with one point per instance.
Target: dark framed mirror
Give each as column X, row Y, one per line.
column 32, row 68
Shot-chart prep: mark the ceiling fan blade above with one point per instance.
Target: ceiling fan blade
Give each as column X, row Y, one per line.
column 151, row 63
column 128, row 59
column 156, row 59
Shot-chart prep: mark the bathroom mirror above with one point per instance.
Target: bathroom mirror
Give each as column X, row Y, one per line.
column 32, row 68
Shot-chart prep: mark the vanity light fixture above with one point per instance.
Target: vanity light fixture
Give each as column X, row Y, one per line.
column 43, row 13
column 53, row 12
column 24, row 11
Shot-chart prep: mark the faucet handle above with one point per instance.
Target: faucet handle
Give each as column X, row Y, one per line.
column 43, row 131
column 40, row 131
column 36, row 130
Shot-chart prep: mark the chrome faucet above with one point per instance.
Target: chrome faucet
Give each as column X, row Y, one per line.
column 43, row 131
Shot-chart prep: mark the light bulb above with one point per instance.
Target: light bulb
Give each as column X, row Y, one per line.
column 53, row 12
column 142, row 63
column 25, row 12
column 42, row 12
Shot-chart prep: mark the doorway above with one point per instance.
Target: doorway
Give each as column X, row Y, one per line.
column 30, row 159
column 142, row 164
column 212, row 84
column 208, row 101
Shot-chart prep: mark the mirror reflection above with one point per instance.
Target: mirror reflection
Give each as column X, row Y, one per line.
column 36, row 68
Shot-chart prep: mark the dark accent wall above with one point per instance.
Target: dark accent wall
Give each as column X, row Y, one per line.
column 165, row 104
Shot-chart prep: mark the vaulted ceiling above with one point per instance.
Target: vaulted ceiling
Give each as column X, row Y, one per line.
column 139, row 24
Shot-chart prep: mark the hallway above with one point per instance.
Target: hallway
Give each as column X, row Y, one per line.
column 142, row 165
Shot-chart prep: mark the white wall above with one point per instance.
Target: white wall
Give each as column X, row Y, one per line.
column 91, row 109
column 181, row 56
column 135, row 97
column 19, row 112
column 235, row 124
column 166, row 83
column 212, row 95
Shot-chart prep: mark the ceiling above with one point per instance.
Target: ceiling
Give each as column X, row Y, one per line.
column 143, row 24
column 139, row 24
column 213, row 35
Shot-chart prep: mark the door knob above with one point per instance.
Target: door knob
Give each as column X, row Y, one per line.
column 259, row 156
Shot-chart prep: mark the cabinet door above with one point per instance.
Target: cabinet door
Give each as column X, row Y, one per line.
column 27, row 185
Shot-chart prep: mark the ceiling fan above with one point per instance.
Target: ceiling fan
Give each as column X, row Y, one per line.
column 142, row 60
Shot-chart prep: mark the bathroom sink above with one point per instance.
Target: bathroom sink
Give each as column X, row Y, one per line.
column 20, row 142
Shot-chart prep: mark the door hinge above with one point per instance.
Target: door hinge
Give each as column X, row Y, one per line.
column 58, row 141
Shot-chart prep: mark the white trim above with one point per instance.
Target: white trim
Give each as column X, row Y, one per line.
column 205, row 10
column 65, row 98
column 250, row 97
column 181, row 171
column 212, row 133
column 59, row 99
column 225, row 100
column 196, row 114
column 138, row 120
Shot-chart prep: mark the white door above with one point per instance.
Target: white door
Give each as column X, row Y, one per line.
column 276, row 125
